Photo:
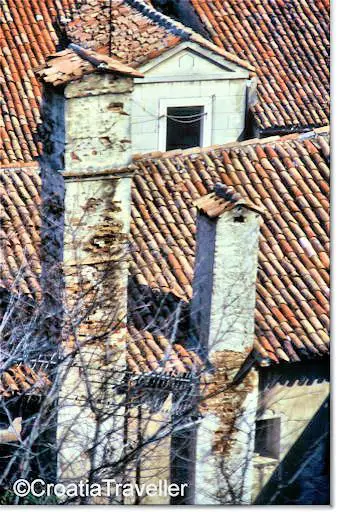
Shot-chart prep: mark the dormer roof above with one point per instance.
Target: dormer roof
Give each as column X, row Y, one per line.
column 135, row 32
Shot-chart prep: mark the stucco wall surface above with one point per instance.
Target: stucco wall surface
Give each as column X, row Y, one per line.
column 191, row 79
column 298, row 401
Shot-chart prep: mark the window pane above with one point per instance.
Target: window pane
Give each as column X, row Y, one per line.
column 184, row 126
column 267, row 437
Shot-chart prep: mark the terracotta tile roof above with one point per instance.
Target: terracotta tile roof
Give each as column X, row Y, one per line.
column 20, row 269
column 27, row 36
column 157, row 321
column 75, row 62
column 289, row 178
column 153, row 352
column 30, row 31
column 288, row 43
column 134, row 31
column 19, row 229
column 21, row 379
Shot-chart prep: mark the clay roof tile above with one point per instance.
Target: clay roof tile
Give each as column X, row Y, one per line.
column 291, row 286
column 289, row 48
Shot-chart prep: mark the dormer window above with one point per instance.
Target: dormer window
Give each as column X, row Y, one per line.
column 188, row 97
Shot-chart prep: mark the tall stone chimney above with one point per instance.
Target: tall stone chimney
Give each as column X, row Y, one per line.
column 223, row 307
column 86, row 131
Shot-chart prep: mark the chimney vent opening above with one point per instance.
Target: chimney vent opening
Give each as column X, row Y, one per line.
column 239, row 215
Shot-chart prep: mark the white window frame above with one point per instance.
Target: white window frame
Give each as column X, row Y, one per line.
column 206, row 124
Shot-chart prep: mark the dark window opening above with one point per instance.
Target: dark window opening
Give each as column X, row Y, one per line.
column 240, row 218
column 267, row 438
column 184, row 125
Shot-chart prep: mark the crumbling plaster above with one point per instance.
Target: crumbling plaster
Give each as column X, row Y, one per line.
column 223, row 307
column 86, row 138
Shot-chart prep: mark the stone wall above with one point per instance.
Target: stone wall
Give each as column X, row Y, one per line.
column 86, row 138
column 225, row 440
column 224, row 284
column 97, row 114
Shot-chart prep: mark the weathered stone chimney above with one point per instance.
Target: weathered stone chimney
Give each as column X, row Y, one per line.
column 86, row 130
column 223, row 313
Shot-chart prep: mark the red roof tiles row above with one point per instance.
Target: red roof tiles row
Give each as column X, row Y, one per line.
column 287, row 41
column 31, row 30
column 287, row 177
column 20, row 224
column 153, row 352
column 21, row 379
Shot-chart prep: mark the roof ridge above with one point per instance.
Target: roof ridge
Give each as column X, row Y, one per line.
column 185, row 32
column 155, row 15
column 100, row 60
column 155, row 155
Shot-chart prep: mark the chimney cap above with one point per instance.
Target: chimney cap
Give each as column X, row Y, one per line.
column 224, row 198
column 75, row 62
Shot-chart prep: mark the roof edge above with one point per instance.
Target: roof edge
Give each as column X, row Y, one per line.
column 156, row 155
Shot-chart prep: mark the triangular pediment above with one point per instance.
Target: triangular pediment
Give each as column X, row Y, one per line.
column 190, row 60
